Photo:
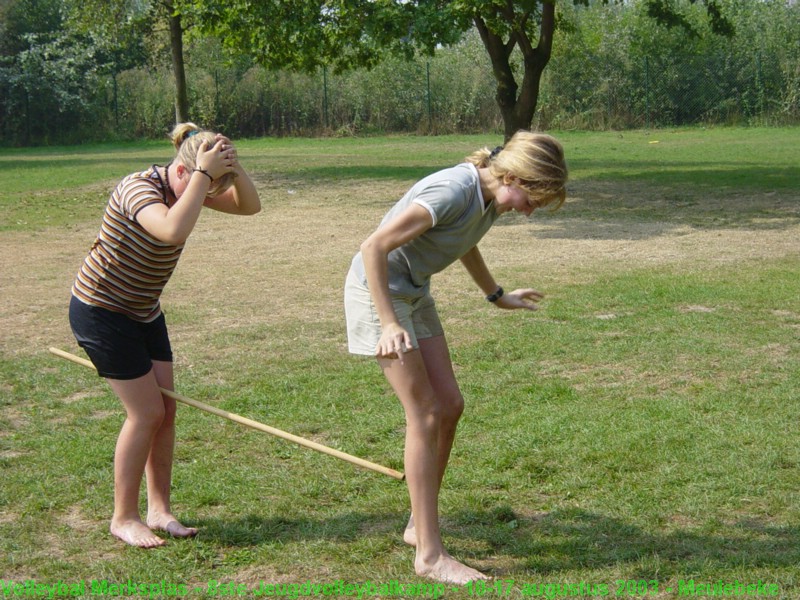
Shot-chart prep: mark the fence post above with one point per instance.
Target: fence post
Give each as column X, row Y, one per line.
column 430, row 110
column 27, row 117
column 760, row 102
column 325, row 95
column 116, row 99
column 217, row 111
column 647, row 92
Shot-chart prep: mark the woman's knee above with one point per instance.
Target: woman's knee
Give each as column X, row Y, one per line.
column 170, row 411
column 144, row 404
column 150, row 418
column 451, row 407
column 443, row 410
column 426, row 415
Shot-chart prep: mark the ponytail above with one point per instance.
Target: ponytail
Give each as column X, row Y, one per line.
column 187, row 139
column 536, row 159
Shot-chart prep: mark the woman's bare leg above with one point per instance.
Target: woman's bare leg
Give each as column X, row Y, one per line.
column 159, row 463
column 145, row 413
column 411, row 383
column 436, row 357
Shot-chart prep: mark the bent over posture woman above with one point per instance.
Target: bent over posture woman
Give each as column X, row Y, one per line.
column 115, row 311
column 391, row 314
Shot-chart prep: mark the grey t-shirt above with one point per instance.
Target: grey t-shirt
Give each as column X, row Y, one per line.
column 460, row 219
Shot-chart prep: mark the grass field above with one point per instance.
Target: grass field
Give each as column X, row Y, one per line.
column 642, row 427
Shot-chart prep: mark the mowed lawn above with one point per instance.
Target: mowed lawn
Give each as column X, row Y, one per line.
column 636, row 437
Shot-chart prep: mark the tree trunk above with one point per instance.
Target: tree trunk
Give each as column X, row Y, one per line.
column 517, row 110
column 178, row 70
column 500, row 53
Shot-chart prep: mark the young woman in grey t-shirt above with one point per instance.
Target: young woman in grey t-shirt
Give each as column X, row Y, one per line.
column 391, row 314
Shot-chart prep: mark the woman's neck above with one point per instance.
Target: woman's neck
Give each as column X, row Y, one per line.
column 489, row 185
column 170, row 192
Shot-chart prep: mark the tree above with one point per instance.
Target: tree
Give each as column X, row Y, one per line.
column 504, row 27
column 307, row 34
column 115, row 21
column 116, row 37
column 47, row 73
column 529, row 26
column 178, row 65
column 304, row 35
column 670, row 14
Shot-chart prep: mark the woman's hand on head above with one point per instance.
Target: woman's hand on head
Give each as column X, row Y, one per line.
column 218, row 159
column 229, row 149
column 523, row 298
column 394, row 341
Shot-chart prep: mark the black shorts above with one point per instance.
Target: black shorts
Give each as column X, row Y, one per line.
column 118, row 346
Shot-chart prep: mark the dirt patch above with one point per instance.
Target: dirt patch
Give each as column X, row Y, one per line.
column 76, row 520
column 289, row 261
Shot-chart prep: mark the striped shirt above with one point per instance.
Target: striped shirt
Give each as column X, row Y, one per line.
column 127, row 268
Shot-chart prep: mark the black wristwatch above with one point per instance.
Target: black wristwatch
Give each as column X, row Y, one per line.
column 496, row 295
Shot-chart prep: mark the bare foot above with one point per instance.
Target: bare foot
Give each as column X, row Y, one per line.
column 410, row 533
column 136, row 533
column 448, row 570
column 170, row 525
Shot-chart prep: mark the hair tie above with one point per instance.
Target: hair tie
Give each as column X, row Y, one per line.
column 495, row 152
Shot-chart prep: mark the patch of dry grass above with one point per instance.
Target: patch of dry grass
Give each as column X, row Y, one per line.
column 256, row 304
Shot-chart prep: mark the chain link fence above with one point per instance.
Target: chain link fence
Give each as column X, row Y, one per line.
column 668, row 92
column 453, row 92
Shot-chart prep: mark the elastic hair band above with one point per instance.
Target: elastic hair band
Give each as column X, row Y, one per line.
column 188, row 135
column 495, row 152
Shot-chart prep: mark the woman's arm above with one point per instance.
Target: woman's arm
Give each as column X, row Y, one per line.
column 475, row 265
column 242, row 197
column 409, row 224
column 172, row 225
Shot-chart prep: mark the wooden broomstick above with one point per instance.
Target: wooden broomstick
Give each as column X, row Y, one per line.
column 256, row 425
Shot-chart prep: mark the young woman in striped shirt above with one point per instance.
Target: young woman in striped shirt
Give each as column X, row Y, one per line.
column 116, row 315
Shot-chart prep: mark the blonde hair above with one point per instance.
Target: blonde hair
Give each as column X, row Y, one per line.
column 187, row 139
column 536, row 159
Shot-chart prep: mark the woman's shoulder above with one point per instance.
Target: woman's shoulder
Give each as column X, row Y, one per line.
column 448, row 194
column 149, row 176
column 456, row 178
column 142, row 182
column 138, row 189
column 462, row 172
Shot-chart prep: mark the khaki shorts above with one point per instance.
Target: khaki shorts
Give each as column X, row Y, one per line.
column 418, row 316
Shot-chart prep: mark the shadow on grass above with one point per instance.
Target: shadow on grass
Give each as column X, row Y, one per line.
column 134, row 161
column 311, row 173
column 253, row 530
column 709, row 174
column 611, row 229
column 570, row 539
column 607, row 213
column 324, row 174
column 550, row 543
